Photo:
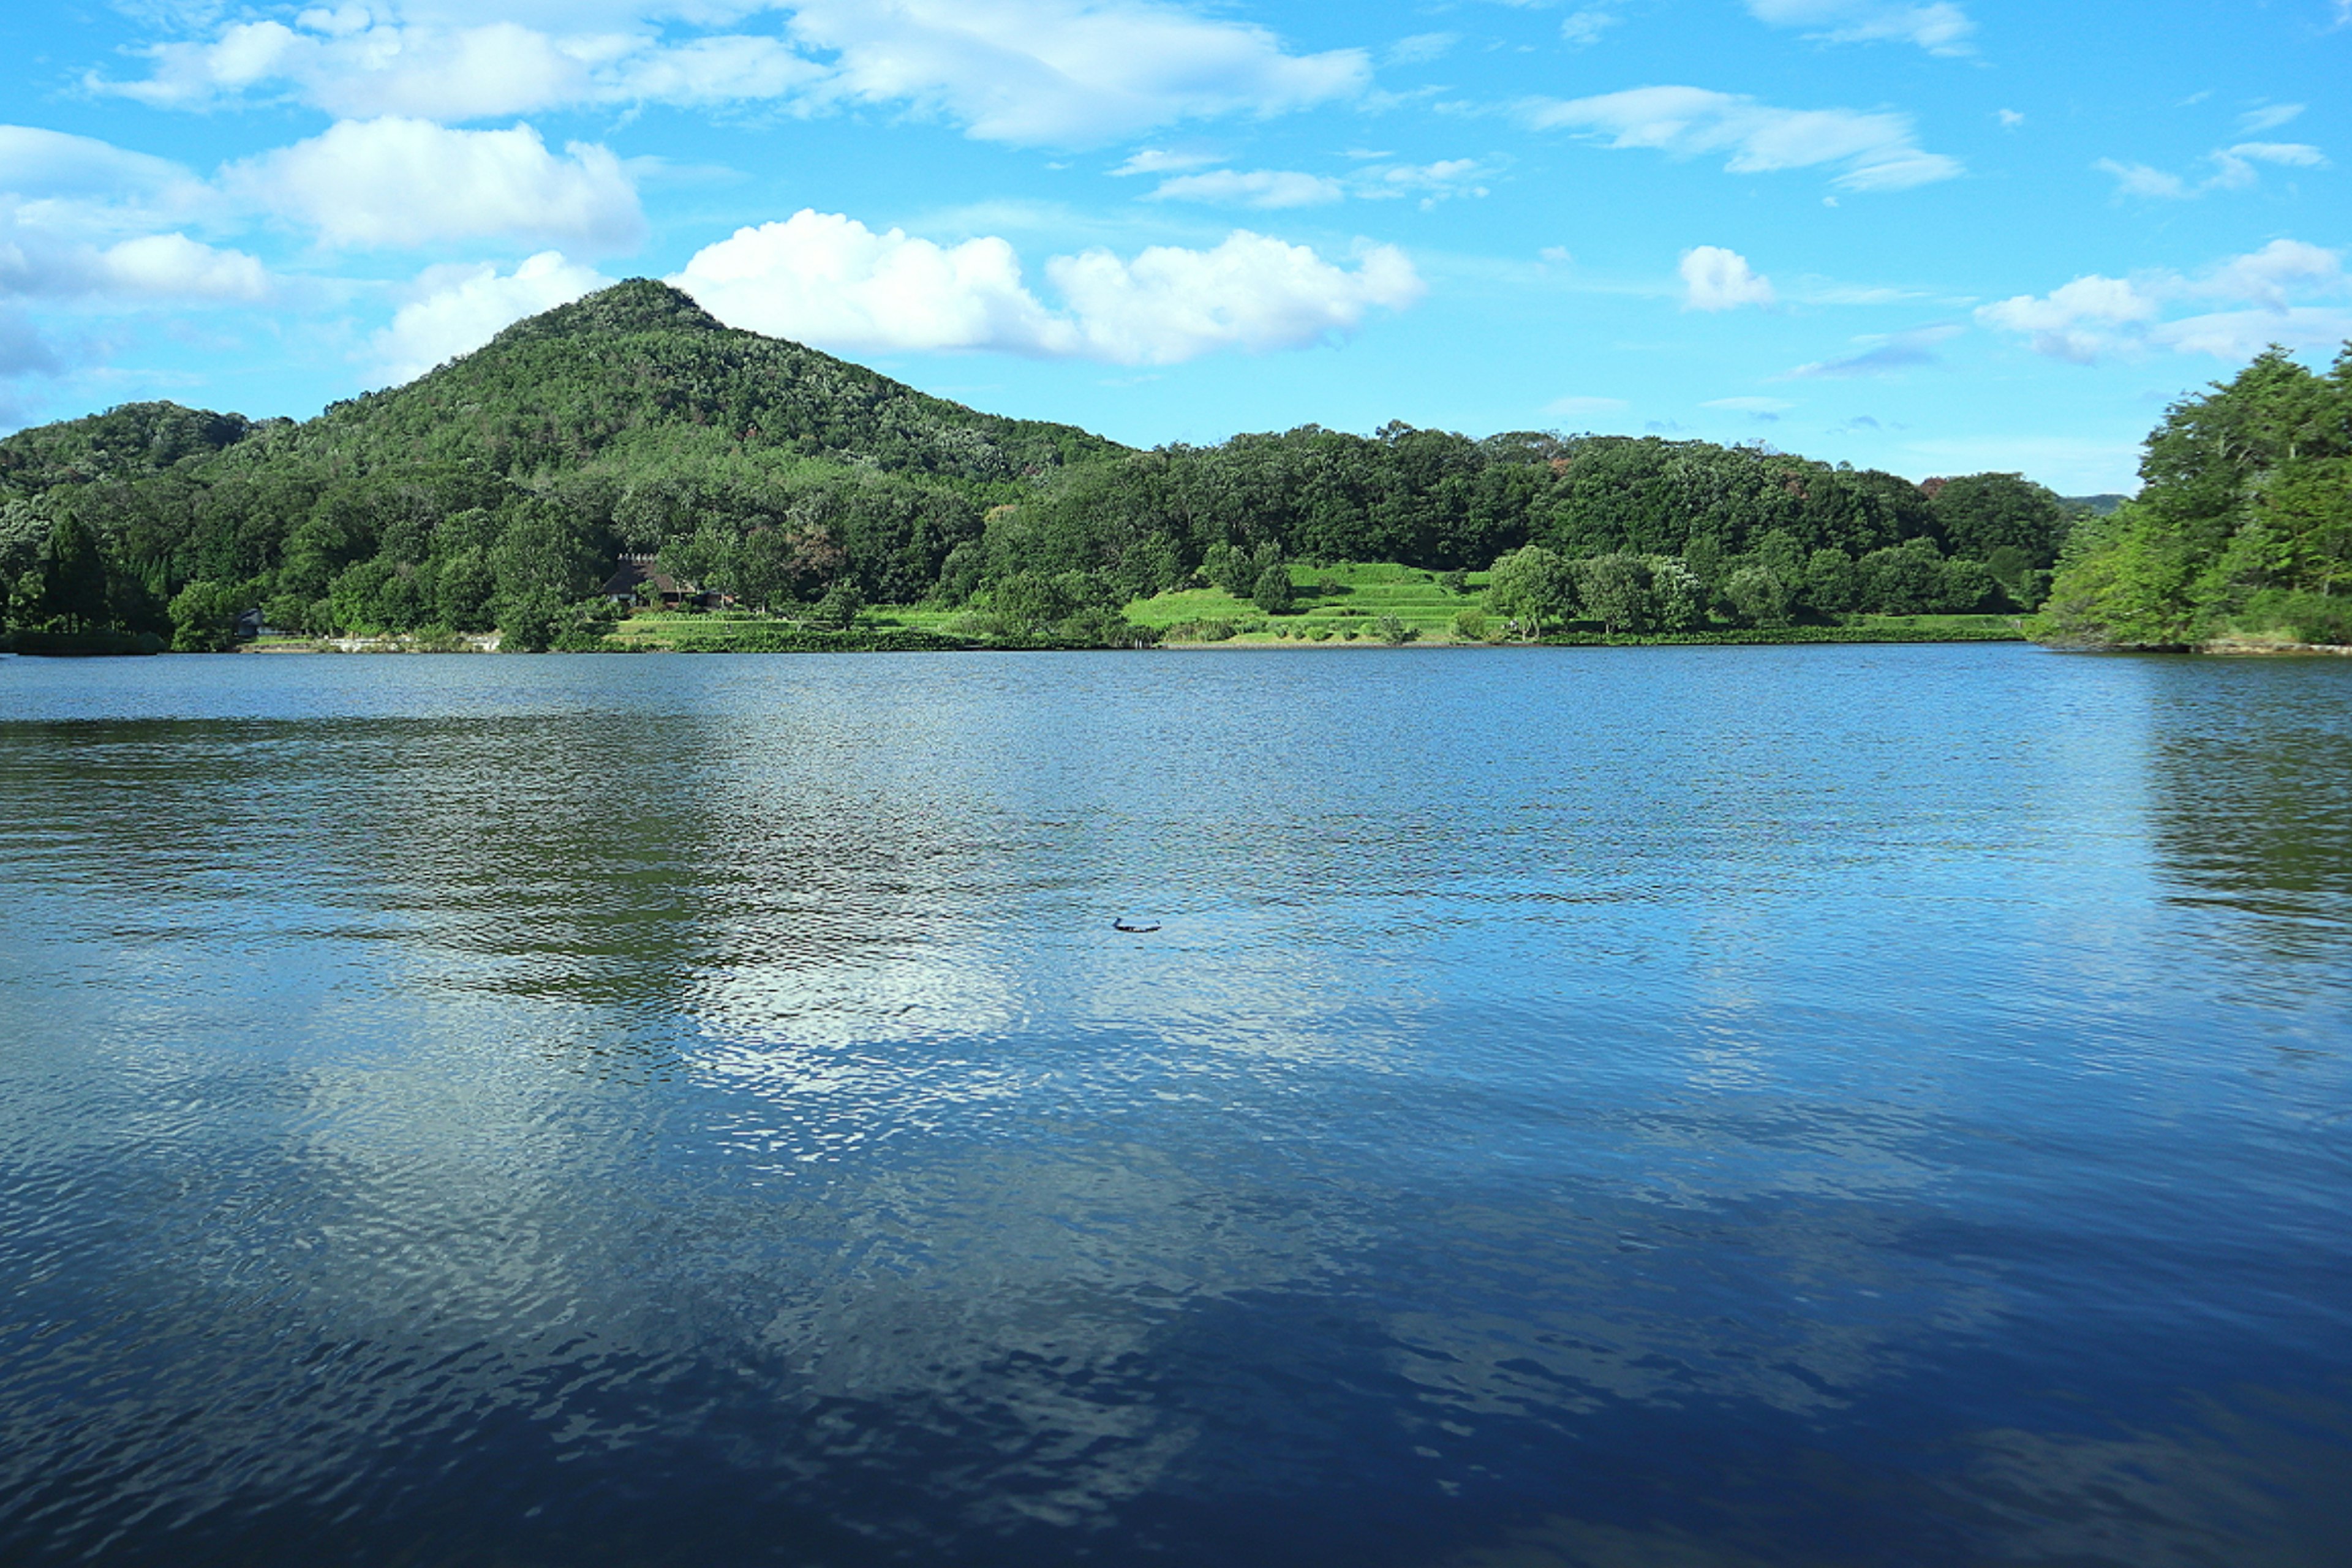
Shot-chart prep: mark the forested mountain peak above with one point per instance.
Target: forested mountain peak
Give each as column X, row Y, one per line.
column 637, row 305
column 639, row 377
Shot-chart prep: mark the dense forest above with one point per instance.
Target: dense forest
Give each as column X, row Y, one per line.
column 2242, row 528
column 500, row 489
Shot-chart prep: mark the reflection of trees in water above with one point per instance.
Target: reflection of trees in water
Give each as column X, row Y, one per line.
column 2252, row 797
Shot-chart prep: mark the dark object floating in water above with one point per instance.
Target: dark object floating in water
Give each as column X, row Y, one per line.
column 1117, row 924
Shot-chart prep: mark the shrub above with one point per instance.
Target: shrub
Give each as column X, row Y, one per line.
column 1470, row 626
column 1394, row 631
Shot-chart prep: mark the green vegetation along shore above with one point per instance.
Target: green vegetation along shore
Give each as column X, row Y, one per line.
column 626, row 473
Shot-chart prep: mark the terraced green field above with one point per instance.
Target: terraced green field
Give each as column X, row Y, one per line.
column 1348, row 602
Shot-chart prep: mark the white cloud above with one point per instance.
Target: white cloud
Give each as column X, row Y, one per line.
column 1422, row 47
column 2096, row 317
column 2074, row 322
column 1162, row 161
column 2139, row 180
column 824, row 279
column 1582, row 30
column 158, row 268
column 459, row 72
column 1432, row 183
column 2233, row 169
column 2009, row 118
column 1874, row 151
column 456, row 309
column 80, row 188
column 2267, row 277
column 171, row 267
column 1251, row 293
column 1065, row 72
column 1255, row 188
column 1878, row 357
column 1939, row 28
column 37, row 163
column 828, row 279
column 2270, row 117
column 397, row 181
column 1715, row 279
column 1583, row 407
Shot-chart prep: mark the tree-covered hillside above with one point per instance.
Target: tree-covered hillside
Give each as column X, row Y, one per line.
column 499, row 490
column 2243, row 526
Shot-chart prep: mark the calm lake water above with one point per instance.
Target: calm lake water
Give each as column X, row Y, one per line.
column 1621, row 1108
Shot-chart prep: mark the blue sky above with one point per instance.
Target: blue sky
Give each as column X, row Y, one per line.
column 1931, row 237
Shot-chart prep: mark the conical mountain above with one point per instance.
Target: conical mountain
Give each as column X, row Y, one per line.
column 639, row 373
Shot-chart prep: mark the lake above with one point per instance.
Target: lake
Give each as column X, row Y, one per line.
column 1659, row 1108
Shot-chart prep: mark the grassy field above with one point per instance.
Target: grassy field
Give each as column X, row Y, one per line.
column 1336, row 606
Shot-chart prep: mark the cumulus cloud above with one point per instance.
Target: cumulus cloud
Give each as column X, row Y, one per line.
column 174, row 266
column 1065, row 72
column 1871, row 152
column 2271, row 290
column 2233, row 169
column 1172, row 304
column 456, row 309
column 826, row 279
column 1715, row 279
column 398, row 182
column 2073, row 323
column 1879, row 357
column 1939, row 29
column 40, row 261
column 1254, row 189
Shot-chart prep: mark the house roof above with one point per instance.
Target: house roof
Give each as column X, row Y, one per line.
column 637, row 573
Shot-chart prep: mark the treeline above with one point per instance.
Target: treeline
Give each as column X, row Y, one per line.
column 499, row 491
column 2242, row 527
column 1761, row 536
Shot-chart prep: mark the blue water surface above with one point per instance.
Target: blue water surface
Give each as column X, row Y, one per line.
column 1694, row 1108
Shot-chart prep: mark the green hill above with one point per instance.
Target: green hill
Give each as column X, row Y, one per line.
column 639, row 376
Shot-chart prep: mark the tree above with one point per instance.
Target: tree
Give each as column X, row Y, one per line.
column 73, row 577
column 1832, row 584
column 1531, row 586
column 1272, row 592
column 1758, row 595
column 838, row 610
column 203, row 617
column 1906, row 581
column 1615, row 589
column 1981, row 513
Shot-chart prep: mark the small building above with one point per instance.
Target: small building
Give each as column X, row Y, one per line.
column 638, row 581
